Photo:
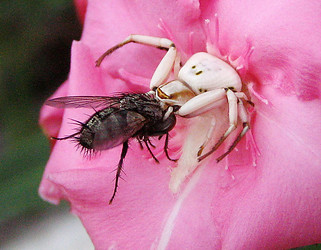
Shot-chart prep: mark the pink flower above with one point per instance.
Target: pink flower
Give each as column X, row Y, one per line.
column 81, row 6
column 275, row 205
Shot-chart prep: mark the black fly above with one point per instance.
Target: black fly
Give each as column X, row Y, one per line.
column 119, row 118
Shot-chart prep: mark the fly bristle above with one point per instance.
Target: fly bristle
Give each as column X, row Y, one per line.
column 78, row 123
column 88, row 153
column 66, row 137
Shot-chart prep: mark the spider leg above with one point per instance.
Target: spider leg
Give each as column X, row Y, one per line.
column 164, row 68
column 161, row 43
column 202, row 103
column 241, row 95
column 233, row 115
column 177, row 65
column 246, row 126
column 119, row 169
column 208, row 137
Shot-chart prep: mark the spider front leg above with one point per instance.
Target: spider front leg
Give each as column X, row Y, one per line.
column 165, row 66
column 200, row 104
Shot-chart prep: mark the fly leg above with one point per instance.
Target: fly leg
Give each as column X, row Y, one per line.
column 140, row 143
column 146, row 140
column 166, row 148
column 119, row 169
column 150, row 143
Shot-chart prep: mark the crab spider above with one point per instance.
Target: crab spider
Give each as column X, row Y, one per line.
column 203, row 83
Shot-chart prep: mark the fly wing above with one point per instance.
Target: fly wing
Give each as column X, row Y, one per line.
column 117, row 128
column 83, row 101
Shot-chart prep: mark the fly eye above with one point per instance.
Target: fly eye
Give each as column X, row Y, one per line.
column 176, row 108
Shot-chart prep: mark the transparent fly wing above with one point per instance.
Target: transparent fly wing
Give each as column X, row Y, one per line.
column 83, row 101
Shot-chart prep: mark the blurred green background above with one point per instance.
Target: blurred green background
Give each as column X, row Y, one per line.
column 35, row 41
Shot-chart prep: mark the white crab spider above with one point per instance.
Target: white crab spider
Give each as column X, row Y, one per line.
column 204, row 82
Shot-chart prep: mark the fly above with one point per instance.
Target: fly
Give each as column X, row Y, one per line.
column 119, row 118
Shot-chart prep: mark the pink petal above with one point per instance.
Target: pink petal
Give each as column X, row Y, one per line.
column 273, row 206
column 82, row 71
column 286, row 53
column 81, row 6
column 50, row 118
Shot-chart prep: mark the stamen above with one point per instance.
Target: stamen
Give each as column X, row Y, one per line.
column 252, row 146
column 256, row 94
column 169, row 34
column 213, row 40
column 162, row 26
column 241, row 63
column 190, row 48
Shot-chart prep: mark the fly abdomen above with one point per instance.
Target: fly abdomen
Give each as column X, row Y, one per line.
column 104, row 131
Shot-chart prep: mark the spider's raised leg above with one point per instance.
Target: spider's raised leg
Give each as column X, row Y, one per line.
column 158, row 42
column 165, row 66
